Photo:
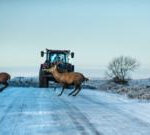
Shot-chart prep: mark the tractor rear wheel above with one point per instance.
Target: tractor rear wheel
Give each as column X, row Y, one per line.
column 43, row 81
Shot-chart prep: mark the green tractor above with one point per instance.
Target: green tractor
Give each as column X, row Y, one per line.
column 53, row 57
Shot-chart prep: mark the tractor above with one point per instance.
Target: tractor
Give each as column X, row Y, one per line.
column 54, row 57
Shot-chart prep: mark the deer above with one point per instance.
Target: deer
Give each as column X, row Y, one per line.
column 4, row 77
column 67, row 79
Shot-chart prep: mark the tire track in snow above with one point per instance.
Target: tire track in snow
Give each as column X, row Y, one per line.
column 74, row 111
column 71, row 114
column 57, row 119
column 23, row 106
column 10, row 106
column 21, row 109
column 78, row 125
column 8, row 110
column 16, row 108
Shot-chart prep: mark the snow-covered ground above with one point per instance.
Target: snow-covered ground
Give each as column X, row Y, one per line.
column 34, row 111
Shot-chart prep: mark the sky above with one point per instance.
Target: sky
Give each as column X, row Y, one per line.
column 96, row 30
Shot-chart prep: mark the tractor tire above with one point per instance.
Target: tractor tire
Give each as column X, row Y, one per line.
column 43, row 81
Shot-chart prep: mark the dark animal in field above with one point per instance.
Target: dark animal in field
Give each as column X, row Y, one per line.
column 68, row 78
column 4, row 77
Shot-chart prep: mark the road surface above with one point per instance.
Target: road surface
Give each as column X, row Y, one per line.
column 34, row 111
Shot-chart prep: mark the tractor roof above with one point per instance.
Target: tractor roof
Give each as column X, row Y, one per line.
column 58, row 51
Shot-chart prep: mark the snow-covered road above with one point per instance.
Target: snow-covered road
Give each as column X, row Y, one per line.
column 34, row 111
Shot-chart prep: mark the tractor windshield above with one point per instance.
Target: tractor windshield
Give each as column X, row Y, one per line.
column 59, row 57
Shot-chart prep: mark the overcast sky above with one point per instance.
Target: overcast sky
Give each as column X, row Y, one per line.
column 96, row 30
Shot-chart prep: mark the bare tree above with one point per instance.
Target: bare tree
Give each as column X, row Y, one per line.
column 119, row 68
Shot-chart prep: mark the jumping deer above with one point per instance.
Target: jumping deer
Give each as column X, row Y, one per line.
column 68, row 78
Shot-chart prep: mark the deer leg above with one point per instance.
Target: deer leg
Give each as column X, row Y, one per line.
column 6, row 85
column 1, row 89
column 77, row 91
column 63, row 88
column 54, row 88
column 76, row 87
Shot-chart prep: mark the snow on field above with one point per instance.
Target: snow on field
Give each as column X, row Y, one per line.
column 34, row 111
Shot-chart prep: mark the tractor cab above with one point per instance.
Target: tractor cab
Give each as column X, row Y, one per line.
column 53, row 57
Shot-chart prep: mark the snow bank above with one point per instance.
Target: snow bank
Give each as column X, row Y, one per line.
column 24, row 82
column 139, row 89
column 34, row 82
